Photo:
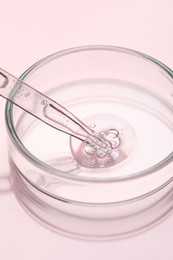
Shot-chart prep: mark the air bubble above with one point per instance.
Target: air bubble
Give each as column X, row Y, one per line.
column 44, row 102
column 100, row 153
column 102, row 134
column 92, row 125
column 112, row 133
column 114, row 142
column 27, row 94
column 89, row 149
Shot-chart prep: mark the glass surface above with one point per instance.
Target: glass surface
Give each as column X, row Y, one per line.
column 107, row 88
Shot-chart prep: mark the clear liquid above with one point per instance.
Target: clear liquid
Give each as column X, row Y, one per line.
column 120, row 138
column 100, row 144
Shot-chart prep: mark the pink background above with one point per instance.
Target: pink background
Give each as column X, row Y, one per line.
column 31, row 30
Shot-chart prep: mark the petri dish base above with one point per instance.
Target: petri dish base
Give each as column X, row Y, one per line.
column 80, row 194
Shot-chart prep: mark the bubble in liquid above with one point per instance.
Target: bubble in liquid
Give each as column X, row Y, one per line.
column 118, row 137
column 101, row 153
column 44, row 102
column 112, row 136
column 27, row 94
column 112, row 133
column 89, row 149
column 92, row 125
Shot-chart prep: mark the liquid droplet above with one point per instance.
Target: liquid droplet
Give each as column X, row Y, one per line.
column 115, row 146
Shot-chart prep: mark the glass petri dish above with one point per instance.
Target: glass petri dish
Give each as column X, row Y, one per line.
column 108, row 88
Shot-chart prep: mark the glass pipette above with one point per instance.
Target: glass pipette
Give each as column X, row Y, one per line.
column 47, row 110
